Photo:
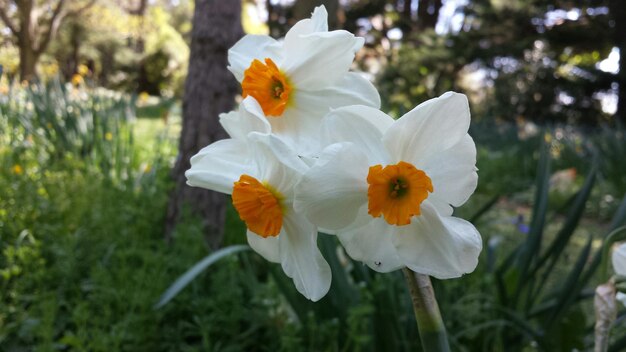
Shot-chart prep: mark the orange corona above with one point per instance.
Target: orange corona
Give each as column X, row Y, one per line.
column 396, row 192
column 258, row 205
column 268, row 85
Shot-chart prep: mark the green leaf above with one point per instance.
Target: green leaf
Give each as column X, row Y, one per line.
column 571, row 287
column 191, row 274
column 484, row 209
column 532, row 245
column 618, row 219
column 619, row 345
column 554, row 251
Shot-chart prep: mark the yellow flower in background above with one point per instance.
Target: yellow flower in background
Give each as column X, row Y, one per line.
column 83, row 70
column 17, row 169
column 143, row 97
column 50, row 70
column 4, row 90
column 108, row 136
column 77, row 80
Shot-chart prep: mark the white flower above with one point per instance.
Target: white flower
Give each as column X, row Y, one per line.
column 211, row 165
column 618, row 259
column 387, row 189
column 262, row 186
column 298, row 80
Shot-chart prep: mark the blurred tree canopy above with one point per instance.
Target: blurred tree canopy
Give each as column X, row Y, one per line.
column 133, row 45
column 539, row 60
column 34, row 24
column 518, row 60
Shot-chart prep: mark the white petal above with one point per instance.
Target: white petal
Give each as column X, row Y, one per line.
column 249, row 118
column 267, row 247
column 371, row 242
column 299, row 127
column 351, row 89
column 317, row 23
column 301, row 259
column 453, row 173
column 621, row 297
column 361, row 125
column 316, row 61
column 277, row 163
column 219, row 165
column 431, row 127
column 618, row 258
column 443, row 247
column 251, row 47
column 331, row 192
column 300, row 124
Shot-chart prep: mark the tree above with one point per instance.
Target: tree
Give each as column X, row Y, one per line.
column 34, row 24
column 538, row 59
column 210, row 89
column 618, row 12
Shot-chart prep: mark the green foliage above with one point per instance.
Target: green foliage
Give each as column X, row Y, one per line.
column 83, row 261
column 535, row 60
column 423, row 67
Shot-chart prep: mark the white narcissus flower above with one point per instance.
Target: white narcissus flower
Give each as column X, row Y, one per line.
column 387, row 188
column 618, row 259
column 298, row 80
column 212, row 163
column 262, row 189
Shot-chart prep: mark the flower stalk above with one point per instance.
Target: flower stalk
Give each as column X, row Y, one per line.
column 429, row 322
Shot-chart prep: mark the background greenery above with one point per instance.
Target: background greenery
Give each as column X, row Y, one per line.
column 84, row 174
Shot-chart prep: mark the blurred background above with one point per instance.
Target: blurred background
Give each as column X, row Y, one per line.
column 102, row 102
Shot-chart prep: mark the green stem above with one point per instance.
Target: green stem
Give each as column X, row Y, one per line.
column 429, row 323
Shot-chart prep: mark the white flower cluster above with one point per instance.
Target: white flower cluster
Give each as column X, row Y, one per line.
column 309, row 150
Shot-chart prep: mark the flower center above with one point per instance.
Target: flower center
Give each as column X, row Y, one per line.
column 268, row 85
column 258, row 205
column 396, row 192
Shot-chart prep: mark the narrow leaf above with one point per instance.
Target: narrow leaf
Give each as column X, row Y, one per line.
column 571, row 287
column 191, row 274
column 532, row 245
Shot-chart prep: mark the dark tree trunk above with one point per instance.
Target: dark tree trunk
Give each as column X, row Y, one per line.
column 28, row 60
column 618, row 12
column 406, row 21
column 210, row 89
column 428, row 13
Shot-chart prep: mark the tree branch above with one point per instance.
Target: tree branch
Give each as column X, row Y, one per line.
column 79, row 10
column 136, row 11
column 55, row 22
column 7, row 20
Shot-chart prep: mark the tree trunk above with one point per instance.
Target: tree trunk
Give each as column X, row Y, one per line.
column 210, row 89
column 28, row 60
column 428, row 13
column 618, row 12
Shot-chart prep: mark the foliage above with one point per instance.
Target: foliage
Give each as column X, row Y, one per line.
column 528, row 293
column 83, row 261
column 532, row 60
